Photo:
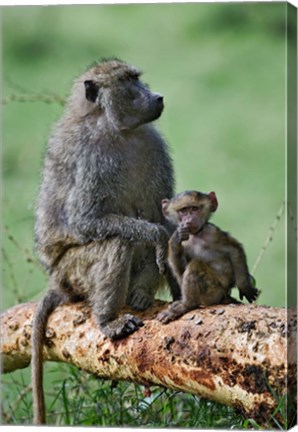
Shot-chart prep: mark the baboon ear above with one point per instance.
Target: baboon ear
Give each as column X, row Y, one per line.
column 214, row 201
column 165, row 206
column 91, row 90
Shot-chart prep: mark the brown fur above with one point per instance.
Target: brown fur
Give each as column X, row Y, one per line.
column 206, row 261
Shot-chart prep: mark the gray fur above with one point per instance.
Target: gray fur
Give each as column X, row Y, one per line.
column 99, row 229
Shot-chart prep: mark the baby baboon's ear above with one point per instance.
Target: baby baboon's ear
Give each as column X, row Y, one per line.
column 165, row 206
column 214, row 201
column 91, row 90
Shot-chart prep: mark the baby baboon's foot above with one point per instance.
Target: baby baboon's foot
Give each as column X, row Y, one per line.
column 121, row 327
column 174, row 311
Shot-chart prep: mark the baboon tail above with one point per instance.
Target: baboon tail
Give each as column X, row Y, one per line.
column 46, row 306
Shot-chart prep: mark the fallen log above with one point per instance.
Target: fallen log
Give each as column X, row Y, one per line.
column 238, row 355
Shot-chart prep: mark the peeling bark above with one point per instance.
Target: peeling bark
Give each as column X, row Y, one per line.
column 235, row 354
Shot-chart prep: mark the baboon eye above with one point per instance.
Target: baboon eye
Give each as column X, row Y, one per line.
column 91, row 90
column 132, row 91
column 194, row 208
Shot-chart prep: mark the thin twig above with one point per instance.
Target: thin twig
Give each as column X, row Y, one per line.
column 28, row 256
column 292, row 218
column 34, row 98
column 269, row 237
column 12, row 276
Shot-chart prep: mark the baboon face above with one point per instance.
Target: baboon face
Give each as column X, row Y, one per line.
column 191, row 209
column 133, row 103
column 127, row 102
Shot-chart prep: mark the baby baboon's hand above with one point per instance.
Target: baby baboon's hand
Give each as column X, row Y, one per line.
column 249, row 292
column 182, row 233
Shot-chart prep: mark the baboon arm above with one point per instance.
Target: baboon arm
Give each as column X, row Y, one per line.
column 176, row 259
column 239, row 264
column 91, row 212
column 231, row 247
column 127, row 228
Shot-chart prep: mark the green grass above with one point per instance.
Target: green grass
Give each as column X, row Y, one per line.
column 221, row 70
column 82, row 400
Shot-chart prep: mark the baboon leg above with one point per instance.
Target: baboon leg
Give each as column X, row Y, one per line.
column 172, row 283
column 211, row 287
column 101, row 271
column 145, row 279
column 200, row 287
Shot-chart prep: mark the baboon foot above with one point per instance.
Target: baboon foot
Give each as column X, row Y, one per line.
column 121, row 327
column 174, row 311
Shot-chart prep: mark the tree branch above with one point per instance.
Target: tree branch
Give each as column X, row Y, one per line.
column 238, row 355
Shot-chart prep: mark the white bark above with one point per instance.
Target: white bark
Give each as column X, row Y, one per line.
column 228, row 354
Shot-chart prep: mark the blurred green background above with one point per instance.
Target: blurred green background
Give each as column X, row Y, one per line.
column 221, row 69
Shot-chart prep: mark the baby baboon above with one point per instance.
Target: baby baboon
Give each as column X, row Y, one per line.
column 206, row 261
column 100, row 230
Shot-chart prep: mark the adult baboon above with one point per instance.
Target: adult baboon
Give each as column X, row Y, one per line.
column 100, row 230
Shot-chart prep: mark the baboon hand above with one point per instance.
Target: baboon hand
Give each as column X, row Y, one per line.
column 121, row 327
column 182, row 233
column 161, row 244
column 161, row 256
column 249, row 292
